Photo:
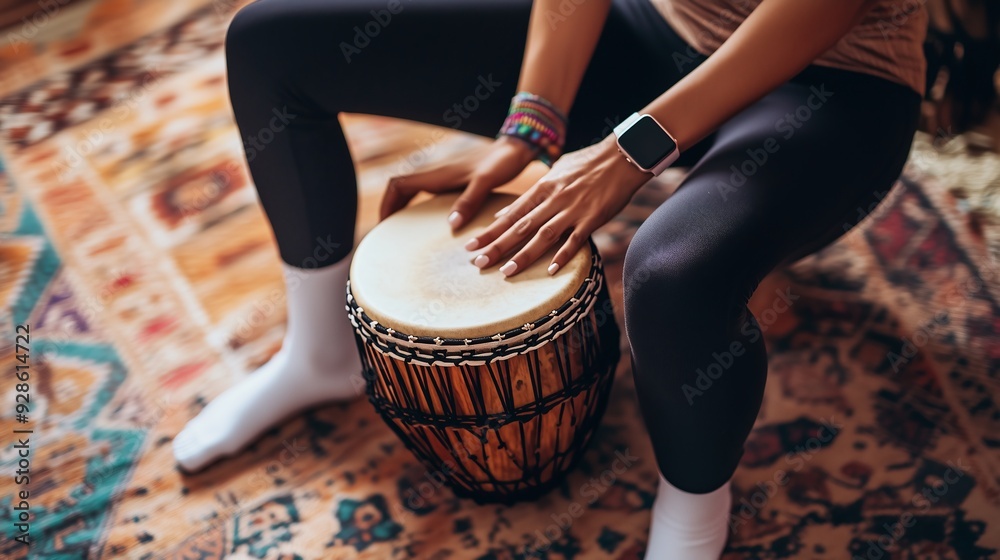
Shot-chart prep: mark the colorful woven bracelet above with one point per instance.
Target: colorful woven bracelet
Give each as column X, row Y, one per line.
column 534, row 120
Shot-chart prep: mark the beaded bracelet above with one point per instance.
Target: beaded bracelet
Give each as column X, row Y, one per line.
column 534, row 120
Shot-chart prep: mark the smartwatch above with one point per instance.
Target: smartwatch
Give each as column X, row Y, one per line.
column 645, row 143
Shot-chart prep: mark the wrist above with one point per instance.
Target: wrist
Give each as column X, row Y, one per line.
column 536, row 121
column 526, row 150
column 645, row 143
column 616, row 161
column 679, row 111
column 609, row 148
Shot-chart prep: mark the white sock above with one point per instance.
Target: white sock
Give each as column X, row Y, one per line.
column 686, row 526
column 318, row 362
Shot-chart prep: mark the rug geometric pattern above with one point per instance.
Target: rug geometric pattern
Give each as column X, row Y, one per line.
column 132, row 243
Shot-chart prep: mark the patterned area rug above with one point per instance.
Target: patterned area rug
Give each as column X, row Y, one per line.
column 132, row 243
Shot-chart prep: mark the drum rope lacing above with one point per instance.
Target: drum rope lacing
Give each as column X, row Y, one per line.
column 406, row 374
column 431, row 351
column 469, row 439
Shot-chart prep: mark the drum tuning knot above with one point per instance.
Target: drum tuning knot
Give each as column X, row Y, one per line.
column 411, row 338
column 438, row 341
column 467, row 341
column 390, row 331
column 498, row 336
column 528, row 326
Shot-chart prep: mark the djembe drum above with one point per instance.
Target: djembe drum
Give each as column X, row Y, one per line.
column 497, row 384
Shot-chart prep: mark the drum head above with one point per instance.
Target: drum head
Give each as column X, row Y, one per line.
column 412, row 274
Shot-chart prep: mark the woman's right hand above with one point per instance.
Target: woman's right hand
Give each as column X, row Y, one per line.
column 480, row 171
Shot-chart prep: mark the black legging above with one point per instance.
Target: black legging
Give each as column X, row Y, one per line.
column 779, row 180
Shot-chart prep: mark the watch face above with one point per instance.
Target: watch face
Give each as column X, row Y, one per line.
column 646, row 143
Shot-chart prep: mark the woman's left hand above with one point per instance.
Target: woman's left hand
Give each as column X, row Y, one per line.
column 583, row 191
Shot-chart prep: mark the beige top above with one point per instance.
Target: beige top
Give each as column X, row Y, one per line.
column 887, row 42
column 413, row 274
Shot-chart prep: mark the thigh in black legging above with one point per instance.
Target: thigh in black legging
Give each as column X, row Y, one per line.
column 293, row 65
column 782, row 178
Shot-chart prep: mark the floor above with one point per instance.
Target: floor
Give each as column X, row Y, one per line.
column 132, row 243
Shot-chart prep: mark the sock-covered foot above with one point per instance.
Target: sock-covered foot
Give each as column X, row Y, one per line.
column 318, row 363
column 686, row 526
column 272, row 393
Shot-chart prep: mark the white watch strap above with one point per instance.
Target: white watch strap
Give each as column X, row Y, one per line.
column 665, row 163
column 626, row 124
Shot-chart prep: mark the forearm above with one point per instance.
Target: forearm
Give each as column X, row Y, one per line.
column 777, row 41
column 559, row 48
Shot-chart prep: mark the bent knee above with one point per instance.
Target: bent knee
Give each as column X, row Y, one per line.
column 246, row 29
column 668, row 282
column 263, row 31
column 661, row 278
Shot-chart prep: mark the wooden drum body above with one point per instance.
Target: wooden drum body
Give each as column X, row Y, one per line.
column 496, row 384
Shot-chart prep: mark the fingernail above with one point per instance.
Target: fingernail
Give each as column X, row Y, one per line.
column 472, row 244
column 481, row 261
column 508, row 268
column 454, row 218
column 553, row 268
